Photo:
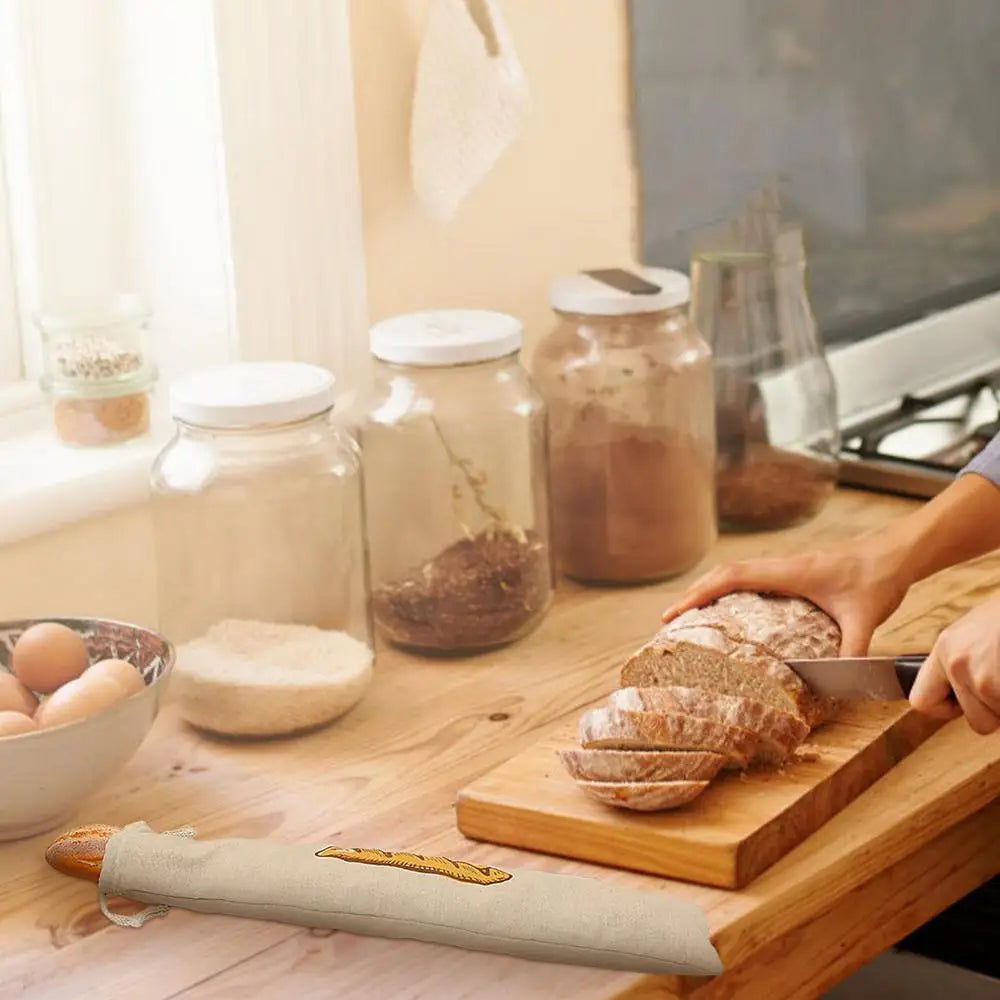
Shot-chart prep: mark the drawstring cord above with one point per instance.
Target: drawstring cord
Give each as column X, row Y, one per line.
column 138, row 919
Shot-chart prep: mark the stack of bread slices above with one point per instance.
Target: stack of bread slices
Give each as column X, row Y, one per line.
column 711, row 692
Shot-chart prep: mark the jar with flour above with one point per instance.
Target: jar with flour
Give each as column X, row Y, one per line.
column 260, row 551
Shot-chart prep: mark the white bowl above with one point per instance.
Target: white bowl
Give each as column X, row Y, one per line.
column 44, row 775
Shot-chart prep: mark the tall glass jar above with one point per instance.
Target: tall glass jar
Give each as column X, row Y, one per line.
column 778, row 436
column 97, row 368
column 628, row 382
column 260, row 550
column 456, row 484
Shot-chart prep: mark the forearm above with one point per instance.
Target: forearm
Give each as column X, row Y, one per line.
column 961, row 523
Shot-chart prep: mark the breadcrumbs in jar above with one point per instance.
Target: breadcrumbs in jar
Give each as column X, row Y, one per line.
column 101, row 421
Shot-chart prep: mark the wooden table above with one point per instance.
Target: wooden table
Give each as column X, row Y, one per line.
column 386, row 775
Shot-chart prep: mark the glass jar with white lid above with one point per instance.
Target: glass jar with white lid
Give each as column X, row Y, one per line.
column 629, row 385
column 260, row 549
column 455, row 452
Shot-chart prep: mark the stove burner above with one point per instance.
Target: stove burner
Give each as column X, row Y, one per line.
column 918, row 449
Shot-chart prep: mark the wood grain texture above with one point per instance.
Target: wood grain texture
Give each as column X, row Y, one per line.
column 738, row 827
column 387, row 775
column 805, row 963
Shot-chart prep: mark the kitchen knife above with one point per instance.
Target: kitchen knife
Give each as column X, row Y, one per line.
column 869, row 678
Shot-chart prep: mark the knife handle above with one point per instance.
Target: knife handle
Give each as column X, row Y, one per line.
column 907, row 668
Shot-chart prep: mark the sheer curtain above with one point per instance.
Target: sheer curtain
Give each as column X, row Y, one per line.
column 201, row 153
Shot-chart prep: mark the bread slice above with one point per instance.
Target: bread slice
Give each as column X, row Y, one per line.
column 737, row 646
column 642, row 765
column 644, row 796
column 779, row 732
column 614, row 729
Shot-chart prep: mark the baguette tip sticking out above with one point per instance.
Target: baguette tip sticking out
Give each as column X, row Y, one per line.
column 80, row 852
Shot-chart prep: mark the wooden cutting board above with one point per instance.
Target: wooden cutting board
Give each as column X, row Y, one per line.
column 739, row 826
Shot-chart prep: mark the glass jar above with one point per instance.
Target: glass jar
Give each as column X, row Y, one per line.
column 96, row 368
column 628, row 383
column 456, row 484
column 778, row 435
column 260, row 549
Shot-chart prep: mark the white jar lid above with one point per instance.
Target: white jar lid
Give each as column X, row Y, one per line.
column 586, row 295
column 446, row 337
column 252, row 394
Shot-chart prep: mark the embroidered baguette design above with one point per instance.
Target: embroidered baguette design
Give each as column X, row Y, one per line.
column 461, row 871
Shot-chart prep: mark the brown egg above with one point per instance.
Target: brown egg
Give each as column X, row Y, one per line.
column 48, row 655
column 119, row 671
column 16, row 724
column 14, row 696
column 78, row 699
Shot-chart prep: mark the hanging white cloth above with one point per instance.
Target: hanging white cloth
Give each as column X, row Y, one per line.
column 470, row 102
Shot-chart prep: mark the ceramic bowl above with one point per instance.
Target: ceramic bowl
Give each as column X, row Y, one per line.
column 46, row 774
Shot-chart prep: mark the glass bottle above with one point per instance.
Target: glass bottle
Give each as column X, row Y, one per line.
column 628, row 383
column 455, row 453
column 776, row 405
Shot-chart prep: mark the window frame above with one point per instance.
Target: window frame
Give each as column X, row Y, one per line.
column 292, row 226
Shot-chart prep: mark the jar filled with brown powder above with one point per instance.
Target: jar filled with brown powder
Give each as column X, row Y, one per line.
column 629, row 386
column 454, row 445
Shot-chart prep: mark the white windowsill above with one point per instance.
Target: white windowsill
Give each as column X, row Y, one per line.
column 45, row 485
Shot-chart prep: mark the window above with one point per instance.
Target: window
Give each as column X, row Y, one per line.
column 199, row 152
column 11, row 364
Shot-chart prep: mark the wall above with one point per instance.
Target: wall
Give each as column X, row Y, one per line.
column 561, row 199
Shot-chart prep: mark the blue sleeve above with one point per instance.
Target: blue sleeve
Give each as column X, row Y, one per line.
column 987, row 462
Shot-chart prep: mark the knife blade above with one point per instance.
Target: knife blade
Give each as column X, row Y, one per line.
column 868, row 678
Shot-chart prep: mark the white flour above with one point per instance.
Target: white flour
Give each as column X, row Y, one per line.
column 252, row 678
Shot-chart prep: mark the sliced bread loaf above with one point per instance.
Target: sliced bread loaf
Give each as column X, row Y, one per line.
column 642, row 765
column 644, row 796
column 615, row 729
column 737, row 646
column 780, row 732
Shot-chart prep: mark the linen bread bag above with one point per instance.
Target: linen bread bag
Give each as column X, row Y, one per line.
column 528, row 914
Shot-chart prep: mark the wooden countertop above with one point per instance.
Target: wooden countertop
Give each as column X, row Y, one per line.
column 387, row 775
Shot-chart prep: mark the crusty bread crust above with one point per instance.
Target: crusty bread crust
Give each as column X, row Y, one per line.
column 644, row 796
column 780, row 732
column 614, row 729
column 787, row 628
column 757, row 634
column 641, row 765
column 80, row 852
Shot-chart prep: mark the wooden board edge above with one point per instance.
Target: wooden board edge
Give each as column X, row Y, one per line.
column 896, row 913
column 517, row 827
column 760, row 850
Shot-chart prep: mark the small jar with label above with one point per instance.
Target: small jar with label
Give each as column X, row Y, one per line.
column 628, row 383
column 260, row 551
column 97, row 369
column 456, row 484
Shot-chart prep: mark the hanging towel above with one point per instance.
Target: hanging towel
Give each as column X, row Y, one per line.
column 470, row 102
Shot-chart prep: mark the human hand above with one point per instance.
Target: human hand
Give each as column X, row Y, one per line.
column 858, row 584
column 965, row 659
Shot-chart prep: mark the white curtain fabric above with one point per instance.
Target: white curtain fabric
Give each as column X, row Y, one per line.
column 115, row 164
